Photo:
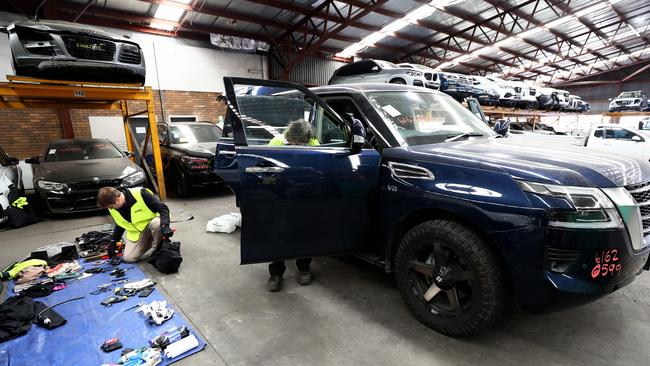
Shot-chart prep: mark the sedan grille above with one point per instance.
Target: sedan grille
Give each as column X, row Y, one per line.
column 96, row 184
column 89, row 48
column 641, row 193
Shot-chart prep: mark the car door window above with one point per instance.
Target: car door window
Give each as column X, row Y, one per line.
column 598, row 133
column 621, row 134
column 345, row 105
column 285, row 117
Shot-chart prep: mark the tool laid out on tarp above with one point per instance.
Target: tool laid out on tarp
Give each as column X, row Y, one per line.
column 108, row 302
column 47, row 317
column 111, row 345
column 157, row 312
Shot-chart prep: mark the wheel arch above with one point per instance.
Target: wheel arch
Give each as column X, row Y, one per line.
column 397, row 78
column 419, row 216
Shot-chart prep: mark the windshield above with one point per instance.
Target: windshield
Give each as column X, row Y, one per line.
column 192, row 134
column 81, row 150
column 419, row 118
column 630, row 95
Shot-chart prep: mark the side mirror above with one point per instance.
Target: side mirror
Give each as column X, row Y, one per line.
column 358, row 134
column 128, row 154
column 161, row 141
column 502, row 127
column 610, row 99
column 33, row 160
column 4, row 30
column 13, row 161
column 636, row 138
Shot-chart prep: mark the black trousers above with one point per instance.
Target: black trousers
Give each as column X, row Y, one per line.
column 277, row 268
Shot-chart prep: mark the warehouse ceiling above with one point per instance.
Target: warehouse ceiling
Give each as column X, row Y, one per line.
column 546, row 41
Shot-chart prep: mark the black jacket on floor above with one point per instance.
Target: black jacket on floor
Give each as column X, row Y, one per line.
column 16, row 315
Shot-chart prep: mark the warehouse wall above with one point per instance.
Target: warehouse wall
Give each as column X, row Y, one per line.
column 311, row 71
column 189, row 75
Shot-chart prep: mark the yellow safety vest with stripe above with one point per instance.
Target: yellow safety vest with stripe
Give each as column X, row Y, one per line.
column 141, row 215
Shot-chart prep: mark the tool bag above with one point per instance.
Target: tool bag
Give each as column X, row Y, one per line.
column 167, row 258
column 20, row 212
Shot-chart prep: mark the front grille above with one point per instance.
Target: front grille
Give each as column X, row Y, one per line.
column 418, row 83
column 623, row 102
column 96, row 184
column 641, row 194
column 130, row 55
column 89, row 48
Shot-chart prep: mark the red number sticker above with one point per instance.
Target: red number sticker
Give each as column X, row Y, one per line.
column 606, row 263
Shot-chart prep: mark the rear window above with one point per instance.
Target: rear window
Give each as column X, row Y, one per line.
column 81, row 150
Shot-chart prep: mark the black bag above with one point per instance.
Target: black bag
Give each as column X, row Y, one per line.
column 167, row 258
column 19, row 217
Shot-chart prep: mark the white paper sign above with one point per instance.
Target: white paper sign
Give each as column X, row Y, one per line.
column 391, row 110
column 52, row 151
column 140, row 130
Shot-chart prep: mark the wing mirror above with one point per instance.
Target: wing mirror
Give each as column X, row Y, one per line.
column 610, row 99
column 636, row 138
column 358, row 134
column 33, row 160
column 13, row 161
column 128, row 154
column 502, row 127
column 4, row 30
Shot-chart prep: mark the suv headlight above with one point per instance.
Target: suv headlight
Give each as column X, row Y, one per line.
column 133, row 179
column 591, row 208
column 53, row 187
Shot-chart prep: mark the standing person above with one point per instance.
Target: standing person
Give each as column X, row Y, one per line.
column 141, row 214
column 298, row 132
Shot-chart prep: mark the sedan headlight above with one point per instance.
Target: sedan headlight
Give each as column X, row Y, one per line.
column 53, row 187
column 133, row 179
column 591, row 208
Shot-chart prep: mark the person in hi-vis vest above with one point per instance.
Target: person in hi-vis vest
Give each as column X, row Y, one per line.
column 141, row 214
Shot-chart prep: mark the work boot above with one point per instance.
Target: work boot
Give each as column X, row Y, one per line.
column 304, row 277
column 275, row 283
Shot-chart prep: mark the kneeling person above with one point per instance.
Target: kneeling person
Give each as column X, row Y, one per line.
column 141, row 214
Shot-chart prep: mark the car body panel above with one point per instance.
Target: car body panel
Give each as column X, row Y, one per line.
column 630, row 101
column 9, row 167
column 620, row 140
column 376, row 71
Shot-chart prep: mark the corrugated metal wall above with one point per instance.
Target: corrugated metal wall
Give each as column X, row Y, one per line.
column 311, row 71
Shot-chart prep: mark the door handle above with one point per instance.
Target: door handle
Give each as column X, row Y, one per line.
column 264, row 169
column 227, row 152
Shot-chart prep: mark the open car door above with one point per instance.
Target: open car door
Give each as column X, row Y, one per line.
column 300, row 195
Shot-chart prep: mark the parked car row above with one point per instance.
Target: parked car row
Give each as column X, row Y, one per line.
column 487, row 90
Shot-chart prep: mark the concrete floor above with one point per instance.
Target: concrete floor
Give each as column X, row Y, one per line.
column 352, row 314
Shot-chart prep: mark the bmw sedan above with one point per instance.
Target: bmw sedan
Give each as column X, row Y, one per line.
column 69, row 173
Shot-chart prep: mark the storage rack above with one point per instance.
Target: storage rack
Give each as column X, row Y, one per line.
column 24, row 92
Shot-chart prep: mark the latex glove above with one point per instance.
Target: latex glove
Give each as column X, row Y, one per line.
column 166, row 231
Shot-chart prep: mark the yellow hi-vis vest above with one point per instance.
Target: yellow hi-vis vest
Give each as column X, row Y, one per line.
column 141, row 215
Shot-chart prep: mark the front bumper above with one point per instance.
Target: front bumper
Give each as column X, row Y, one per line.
column 202, row 178
column 74, row 200
column 626, row 107
column 560, row 268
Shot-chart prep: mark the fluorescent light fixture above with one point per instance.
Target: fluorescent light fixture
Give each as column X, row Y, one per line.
column 161, row 25
column 633, row 30
column 183, row 1
column 167, row 12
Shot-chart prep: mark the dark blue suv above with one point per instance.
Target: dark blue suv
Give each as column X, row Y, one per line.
column 409, row 179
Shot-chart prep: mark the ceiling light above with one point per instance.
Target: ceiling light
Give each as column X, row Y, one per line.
column 170, row 13
column 161, row 25
column 183, row 1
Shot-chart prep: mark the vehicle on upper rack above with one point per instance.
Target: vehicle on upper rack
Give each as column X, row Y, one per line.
column 457, row 86
column 524, row 94
column 506, row 92
column 187, row 152
column 410, row 180
column 430, row 75
column 9, row 168
column 377, row 71
column 69, row 173
column 484, row 94
column 552, row 99
column 629, row 101
column 68, row 51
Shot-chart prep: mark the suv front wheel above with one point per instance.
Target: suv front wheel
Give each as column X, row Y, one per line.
column 449, row 278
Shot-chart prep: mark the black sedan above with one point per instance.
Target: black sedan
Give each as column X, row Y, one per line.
column 68, row 51
column 69, row 173
column 187, row 151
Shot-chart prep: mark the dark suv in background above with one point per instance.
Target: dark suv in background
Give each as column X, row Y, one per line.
column 187, row 150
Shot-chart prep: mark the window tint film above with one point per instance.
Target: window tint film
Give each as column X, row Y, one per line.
column 284, row 116
column 81, row 150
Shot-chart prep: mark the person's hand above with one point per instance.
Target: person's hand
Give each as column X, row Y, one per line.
column 167, row 232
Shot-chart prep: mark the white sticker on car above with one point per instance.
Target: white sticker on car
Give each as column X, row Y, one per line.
column 52, row 151
column 391, row 110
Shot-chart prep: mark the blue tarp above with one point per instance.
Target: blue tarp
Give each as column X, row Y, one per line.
column 88, row 325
